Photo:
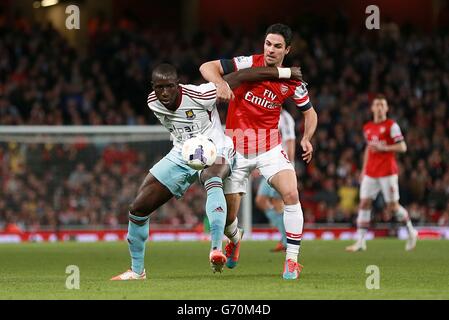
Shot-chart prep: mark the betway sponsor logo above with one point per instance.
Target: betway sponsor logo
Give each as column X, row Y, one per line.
column 263, row 101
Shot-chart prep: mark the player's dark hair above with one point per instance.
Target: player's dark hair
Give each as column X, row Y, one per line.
column 164, row 71
column 281, row 29
column 380, row 96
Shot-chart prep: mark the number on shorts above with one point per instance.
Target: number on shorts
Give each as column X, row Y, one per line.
column 285, row 155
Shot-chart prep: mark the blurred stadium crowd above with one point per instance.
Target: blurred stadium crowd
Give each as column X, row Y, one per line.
column 45, row 82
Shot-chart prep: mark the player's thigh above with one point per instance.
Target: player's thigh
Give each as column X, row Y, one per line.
column 280, row 174
column 390, row 189
column 369, row 189
column 174, row 174
column 237, row 182
column 226, row 157
column 151, row 195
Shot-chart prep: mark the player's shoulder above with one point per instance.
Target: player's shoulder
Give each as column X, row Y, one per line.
column 368, row 125
column 205, row 90
column 258, row 59
column 248, row 61
column 298, row 87
column 390, row 122
column 152, row 99
column 295, row 84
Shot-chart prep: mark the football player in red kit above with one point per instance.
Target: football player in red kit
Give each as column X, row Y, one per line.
column 252, row 122
column 380, row 173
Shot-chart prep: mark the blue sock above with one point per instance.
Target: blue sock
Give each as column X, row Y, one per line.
column 277, row 221
column 137, row 236
column 216, row 210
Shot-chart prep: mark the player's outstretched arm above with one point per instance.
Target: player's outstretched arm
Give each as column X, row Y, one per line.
column 310, row 124
column 236, row 78
column 212, row 71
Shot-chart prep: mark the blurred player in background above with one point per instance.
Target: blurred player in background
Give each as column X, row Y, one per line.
column 186, row 111
column 269, row 200
column 254, row 109
column 380, row 173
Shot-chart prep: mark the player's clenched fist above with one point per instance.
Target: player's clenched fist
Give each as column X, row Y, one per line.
column 224, row 92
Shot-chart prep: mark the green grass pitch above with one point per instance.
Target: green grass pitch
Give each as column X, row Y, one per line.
column 180, row 270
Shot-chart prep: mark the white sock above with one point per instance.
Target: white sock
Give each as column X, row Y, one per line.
column 402, row 215
column 293, row 222
column 363, row 220
column 232, row 231
column 361, row 234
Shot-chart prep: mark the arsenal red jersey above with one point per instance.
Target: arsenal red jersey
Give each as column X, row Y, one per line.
column 253, row 116
column 382, row 164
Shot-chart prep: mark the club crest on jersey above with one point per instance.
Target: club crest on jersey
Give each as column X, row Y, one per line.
column 190, row 115
column 284, row 89
column 382, row 129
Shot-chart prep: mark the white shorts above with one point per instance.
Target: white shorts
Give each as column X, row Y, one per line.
column 269, row 163
column 370, row 188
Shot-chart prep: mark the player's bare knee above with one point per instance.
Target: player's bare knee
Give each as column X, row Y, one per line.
column 217, row 170
column 206, row 175
column 139, row 209
column 393, row 207
column 365, row 204
column 290, row 197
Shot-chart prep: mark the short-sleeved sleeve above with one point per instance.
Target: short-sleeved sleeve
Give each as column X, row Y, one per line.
column 236, row 64
column 301, row 97
column 204, row 94
column 396, row 133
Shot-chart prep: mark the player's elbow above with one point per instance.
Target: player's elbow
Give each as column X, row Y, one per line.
column 204, row 67
column 208, row 67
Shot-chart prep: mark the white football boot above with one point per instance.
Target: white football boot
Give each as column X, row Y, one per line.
column 358, row 246
column 130, row 275
column 411, row 241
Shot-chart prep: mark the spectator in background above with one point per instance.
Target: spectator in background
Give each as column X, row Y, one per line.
column 348, row 195
column 443, row 220
column 58, row 86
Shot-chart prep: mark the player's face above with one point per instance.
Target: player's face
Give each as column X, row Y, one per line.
column 379, row 108
column 166, row 90
column 275, row 50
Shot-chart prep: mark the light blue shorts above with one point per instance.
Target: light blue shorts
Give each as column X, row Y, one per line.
column 173, row 172
column 266, row 190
